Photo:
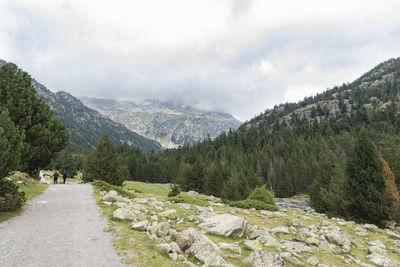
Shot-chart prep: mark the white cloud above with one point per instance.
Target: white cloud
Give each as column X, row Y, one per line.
column 228, row 55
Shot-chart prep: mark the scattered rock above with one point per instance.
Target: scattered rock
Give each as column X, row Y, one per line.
column 225, row 225
column 280, row 229
column 162, row 229
column 252, row 245
column 204, row 249
column 295, row 247
column 264, row 259
column 377, row 243
column 173, row 256
column 230, row 246
column 392, row 234
column 140, row 226
column 111, row 196
column 193, row 194
column 382, row 260
column 124, row 214
column 268, row 240
column 376, row 250
column 169, row 214
column 313, row 260
column 164, row 248
column 253, row 234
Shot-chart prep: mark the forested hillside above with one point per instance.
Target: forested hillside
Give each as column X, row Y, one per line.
column 86, row 126
column 293, row 148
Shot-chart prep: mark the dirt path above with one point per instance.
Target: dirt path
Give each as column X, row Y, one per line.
column 61, row 227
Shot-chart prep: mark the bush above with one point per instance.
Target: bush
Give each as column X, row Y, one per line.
column 253, row 203
column 10, row 198
column 104, row 186
column 263, row 195
column 189, row 200
column 174, row 191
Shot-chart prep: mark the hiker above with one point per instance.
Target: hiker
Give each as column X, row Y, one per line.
column 55, row 175
column 65, row 176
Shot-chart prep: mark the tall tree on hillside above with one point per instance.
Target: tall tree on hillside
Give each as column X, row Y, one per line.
column 105, row 164
column 366, row 182
column 391, row 193
column 44, row 134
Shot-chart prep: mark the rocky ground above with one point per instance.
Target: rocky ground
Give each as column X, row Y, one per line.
column 217, row 235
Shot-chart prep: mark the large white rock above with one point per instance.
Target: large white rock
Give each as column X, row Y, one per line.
column 204, row 249
column 262, row 258
column 225, row 225
column 140, row 226
column 124, row 214
column 111, row 196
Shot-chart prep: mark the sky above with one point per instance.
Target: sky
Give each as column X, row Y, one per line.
column 235, row 56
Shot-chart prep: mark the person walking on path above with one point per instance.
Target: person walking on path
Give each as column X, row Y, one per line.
column 55, row 175
column 65, row 176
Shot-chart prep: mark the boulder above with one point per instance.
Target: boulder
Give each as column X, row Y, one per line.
column 124, row 214
column 164, row 248
column 140, row 226
column 225, row 225
column 312, row 241
column 230, row 246
column 173, row 256
column 175, row 247
column 295, row 247
column 264, row 259
column 280, row 229
column 256, row 233
column 252, row 245
column 193, row 194
column 169, row 214
column 111, row 196
column 162, row 229
column 382, row 260
column 268, row 240
column 183, row 240
column 313, row 260
column 204, row 250
column 336, row 236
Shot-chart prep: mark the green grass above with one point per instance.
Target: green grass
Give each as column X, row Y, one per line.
column 30, row 187
column 161, row 190
column 183, row 198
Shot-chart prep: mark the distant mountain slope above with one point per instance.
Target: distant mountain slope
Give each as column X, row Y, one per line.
column 373, row 90
column 171, row 124
column 86, row 126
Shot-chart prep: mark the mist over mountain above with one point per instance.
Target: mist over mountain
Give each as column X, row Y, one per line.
column 170, row 123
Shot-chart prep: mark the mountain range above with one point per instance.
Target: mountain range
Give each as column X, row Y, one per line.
column 86, row 126
column 170, row 123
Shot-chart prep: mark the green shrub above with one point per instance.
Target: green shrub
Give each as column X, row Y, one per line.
column 263, row 195
column 189, row 200
column 253, row 203
column 10, row 198
column 174, row 191
column 104, row 186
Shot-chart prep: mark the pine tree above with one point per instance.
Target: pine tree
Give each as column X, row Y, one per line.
column 105, row 164
column 44, row 134
column 366, row 182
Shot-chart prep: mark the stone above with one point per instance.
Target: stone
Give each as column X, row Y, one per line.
column 183, row 240
column 313, row 241
column 377, row 243
column 362, row 234
column 204, row 250
column 313, row 260
column 252, row 245
column 154, row 218
column 392, row 234
column 107, row 203
column 382, row 260
column 281, row 230
column 193, row 194
column 376, row 250
column 169, row 214
column 230, row 246
column 175, row 247
column 142, row 200
column 189, row 264
column 268, row 240
column 111, row 196
column 173, row 256
column 181, row 257
column 140, row 226
column 124, row 214
column 256, row 233
column 336, row 236
column 162, row 229
column 264, row 259
column 295, row 247
column 225, row 225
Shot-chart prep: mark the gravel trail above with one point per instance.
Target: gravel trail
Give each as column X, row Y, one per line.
column 61, row 227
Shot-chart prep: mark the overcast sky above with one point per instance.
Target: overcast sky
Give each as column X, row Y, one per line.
column 234, row 56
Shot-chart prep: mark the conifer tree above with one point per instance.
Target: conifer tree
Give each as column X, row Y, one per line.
column 105, row 164
column 391, row 193
column 44, row 134
column 366, row 182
